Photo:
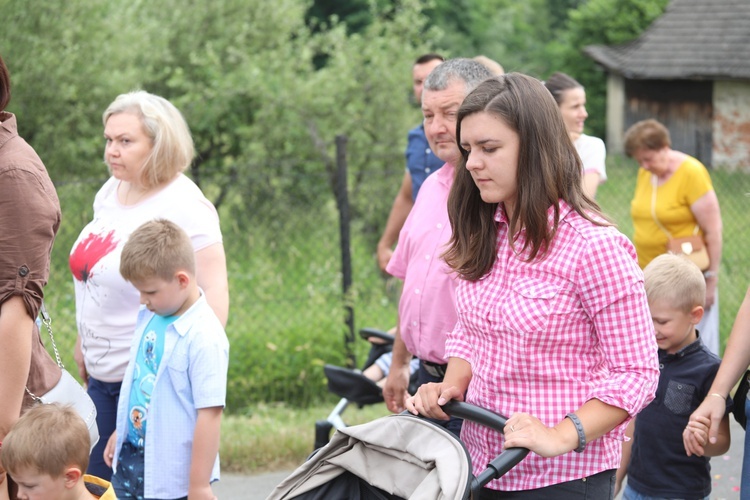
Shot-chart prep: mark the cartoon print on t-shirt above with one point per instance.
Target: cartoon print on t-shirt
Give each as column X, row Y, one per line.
column 138, row 419
column 149, row 350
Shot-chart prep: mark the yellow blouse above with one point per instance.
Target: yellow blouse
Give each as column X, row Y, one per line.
column 673, row 200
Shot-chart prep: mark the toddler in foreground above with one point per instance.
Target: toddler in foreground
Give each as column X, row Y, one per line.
column 46, row 453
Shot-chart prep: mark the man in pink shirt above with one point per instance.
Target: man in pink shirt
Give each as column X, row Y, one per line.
column 426, row 309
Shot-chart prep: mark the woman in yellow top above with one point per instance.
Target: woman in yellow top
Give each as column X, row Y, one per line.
column 684, row 202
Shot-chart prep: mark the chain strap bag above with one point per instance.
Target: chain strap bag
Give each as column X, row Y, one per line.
column 693, row 247
column 68, row 392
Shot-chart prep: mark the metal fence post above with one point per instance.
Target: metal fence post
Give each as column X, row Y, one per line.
column 342, row 203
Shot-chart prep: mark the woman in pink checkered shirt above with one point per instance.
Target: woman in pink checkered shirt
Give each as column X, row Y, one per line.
column 554, row 329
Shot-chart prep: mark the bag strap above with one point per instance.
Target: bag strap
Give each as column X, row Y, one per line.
column 47, row 322
column 654, row 186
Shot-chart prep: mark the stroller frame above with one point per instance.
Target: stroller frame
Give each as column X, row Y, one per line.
column 352, row 387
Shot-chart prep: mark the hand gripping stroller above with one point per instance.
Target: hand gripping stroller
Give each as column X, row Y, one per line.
column 398, row 457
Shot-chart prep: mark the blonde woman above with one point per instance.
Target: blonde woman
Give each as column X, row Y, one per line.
column 147, row 148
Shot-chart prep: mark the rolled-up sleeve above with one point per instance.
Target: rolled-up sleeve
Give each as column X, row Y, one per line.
column 457, row 345
column 614, row 296
column 29, row 220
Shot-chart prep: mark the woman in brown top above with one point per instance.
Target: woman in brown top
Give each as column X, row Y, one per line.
column 29, row 219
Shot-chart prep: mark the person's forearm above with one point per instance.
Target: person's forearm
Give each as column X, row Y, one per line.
column 714, row 246
column 458, row 374
column 211, row 273
column 723, row 440
column 591, row 183
column 708, row 216
column 217, row 297
column 400, row 209
column 16, row 327
column 401, row 356
column 597, row 419
column 737, row 353
column 397, row 217
column 206, row 438
column 80, row 360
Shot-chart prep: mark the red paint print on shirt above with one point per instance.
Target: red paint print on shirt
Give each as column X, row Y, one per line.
column 89, row 252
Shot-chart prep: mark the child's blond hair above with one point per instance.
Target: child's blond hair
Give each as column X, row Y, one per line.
column 157, row 249
column 676, row 279
column 49, row 438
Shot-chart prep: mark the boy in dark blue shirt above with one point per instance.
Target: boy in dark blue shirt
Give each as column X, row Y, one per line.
column 655, row 459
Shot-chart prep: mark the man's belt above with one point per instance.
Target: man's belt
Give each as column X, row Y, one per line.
column 434, row 369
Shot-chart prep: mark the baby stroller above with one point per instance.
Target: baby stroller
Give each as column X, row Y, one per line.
column 353, row 387
column 398, row 457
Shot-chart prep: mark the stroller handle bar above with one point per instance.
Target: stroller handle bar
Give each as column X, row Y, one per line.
column 505, row 460
column 386, row 337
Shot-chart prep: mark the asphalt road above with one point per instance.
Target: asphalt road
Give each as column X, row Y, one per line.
column 726, row 472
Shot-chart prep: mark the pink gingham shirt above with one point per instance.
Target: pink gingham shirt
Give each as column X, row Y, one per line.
column 545, row 336
column 427, row 310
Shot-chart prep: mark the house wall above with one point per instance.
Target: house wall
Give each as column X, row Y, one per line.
column 731, row 127
column 615, row 112
column 685, row 107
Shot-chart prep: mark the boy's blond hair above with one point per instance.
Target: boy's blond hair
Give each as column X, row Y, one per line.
column 676, row 279
column 49, row 438
column 157, row 249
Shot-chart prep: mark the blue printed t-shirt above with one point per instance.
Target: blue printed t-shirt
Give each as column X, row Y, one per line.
column 147, row 361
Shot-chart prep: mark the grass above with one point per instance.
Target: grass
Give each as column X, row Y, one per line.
column 278, row 437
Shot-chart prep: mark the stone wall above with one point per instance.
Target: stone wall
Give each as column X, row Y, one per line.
column 731, row 126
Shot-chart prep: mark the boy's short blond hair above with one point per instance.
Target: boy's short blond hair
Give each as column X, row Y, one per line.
column 49, row 438
column 676, row 279
column 157, row 249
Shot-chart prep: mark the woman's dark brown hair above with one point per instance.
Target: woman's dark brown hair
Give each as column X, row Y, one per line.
column 558, row 83
column 4, row 85
column 549, row 170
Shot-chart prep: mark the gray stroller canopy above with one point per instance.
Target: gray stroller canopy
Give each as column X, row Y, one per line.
column 403, row 456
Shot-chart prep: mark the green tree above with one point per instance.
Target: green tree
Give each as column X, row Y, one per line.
column 65, row 60
column 243, row 74
column 600, row 22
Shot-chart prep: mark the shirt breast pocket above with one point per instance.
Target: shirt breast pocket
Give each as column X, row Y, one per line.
column 529, row 305
column 679, row 397
column 177, row 367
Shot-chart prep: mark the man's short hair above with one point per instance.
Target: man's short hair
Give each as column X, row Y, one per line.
column 157, row 249
column 425, row 58
column 677, row 280
column 469, row 71
column 48, row 439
